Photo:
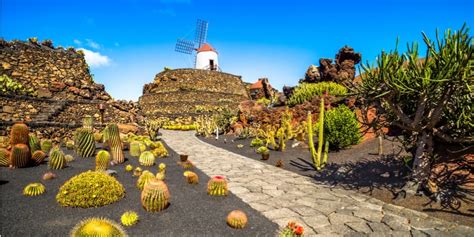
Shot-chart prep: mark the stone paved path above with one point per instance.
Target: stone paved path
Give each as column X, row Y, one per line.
column 282, row 196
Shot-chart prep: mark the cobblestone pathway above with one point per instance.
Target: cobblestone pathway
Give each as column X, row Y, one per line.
column 282, row 195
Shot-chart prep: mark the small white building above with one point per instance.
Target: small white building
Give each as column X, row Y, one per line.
column 206, row 58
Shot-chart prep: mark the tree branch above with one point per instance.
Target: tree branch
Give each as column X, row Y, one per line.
column 399, row 113
column 445, row 137
column 436, row 113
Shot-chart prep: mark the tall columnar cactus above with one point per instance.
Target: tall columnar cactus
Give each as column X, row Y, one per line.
column 155, row 195
column 38, row 157
column 312, row 150
column 19, row 134
column 237, row 219
column 34, row 143
column 20, row 156
column 115, row 143
column 282, row 139
column 144, row 177
column 56, row 159
column 147, row 158
column 102, row 160
column 85, row 144
column 217, row 186
column 46, row 146
column 321, row 133
column 88, row 122
column 4, row 157
column 135, row 148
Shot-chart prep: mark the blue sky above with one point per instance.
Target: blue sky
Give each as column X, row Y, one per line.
column 129, row 41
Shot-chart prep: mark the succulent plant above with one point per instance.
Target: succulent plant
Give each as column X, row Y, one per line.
column 191, row 177
column 161, row 176
column 4, row 157
column 57, row 160
column 263, row 150
column 88, row 122
column 97, row 227
column 20, row 156
column 155, row 195
column 137, row 172
column 186, row 164
column 90, row 189
column 147, row 159
column 128, row 168
column 70, row 145
column 129, row 218
column 85, row 144
column 217, row 186
column 292, row 229
column 98, row 137
column 135, row 149
column 144, row 177
column 38, row 157
column 69, row 158
column 34, row 143
column 19, row 134
column 160, row 150
column 237, row 219
column 46, row 146
column 162, row 167
column 142, row 147
column 115, row 143
column 49, row 175
column 102, row 160
column 34, row 189
column 256, row 142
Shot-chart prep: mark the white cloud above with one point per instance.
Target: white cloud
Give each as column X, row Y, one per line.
column 78, row 42
column 92, row 44
column 95, row 59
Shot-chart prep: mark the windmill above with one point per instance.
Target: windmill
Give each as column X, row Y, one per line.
column 206, row 55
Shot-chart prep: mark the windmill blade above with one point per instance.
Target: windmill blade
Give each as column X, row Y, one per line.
column 201, row 32
column 184, row 46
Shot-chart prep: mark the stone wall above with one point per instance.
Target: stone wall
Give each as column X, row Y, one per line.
column 184, row 92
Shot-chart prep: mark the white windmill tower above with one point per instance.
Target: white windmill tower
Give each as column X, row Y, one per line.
column 206, row 56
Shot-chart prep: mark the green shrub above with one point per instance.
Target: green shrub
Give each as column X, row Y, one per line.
column 264, row 101
column 10, row 86
column 306, row 91
column 341, row 128
column 256, row 142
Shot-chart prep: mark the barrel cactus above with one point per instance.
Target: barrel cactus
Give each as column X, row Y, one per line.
column 4, row 157
column 46, row 146
column 19, row 134
column 57, row 160
column 162, row 167
column 98, row 137
column 115, row 143
column 20, row 156
column 70, row 145
column 34, row 143
column 144, row 177
column 38, row 157
column 102, row 160
column 85, row 143
column 147, row 159
column 97, row 227
column 155, row 195
column 135, row 149
column 137, row 172
column 217, row 186
column 88, row 122
column 237, row 219
column 159, row 150
column 191, row 177
column 34, row 189
column 129, row 218
column 186, row 164
column 128, row 168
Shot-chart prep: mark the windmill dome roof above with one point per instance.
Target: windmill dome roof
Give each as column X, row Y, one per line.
column 206, row 47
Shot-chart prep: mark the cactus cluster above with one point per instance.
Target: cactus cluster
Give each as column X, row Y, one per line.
column 20, row 155
column 237, row 219
column 217, row 186
column 97, row 227
column 191, row 177
column 90, row 189
column 4, row 157
column 155, row 195
column 129, row 218
column 115, row 143
column 34, row 189
column 102, row 160
column 56, row 159
column 144, row 177
column 159, row 150
column 85, row 143
column 147, row 159
column 38, row 157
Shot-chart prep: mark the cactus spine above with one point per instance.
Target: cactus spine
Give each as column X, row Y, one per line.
column 155, row 195
column 217, row 186
column 115, row 144
column 237, row 219
column 102, row 160
column 19, row 134
column 135, row 148
column 4, row 157
column 34, row 143
column 147, row 159
column 85, row 142
column 56, row 159
column 20, row 156
column 38, row 157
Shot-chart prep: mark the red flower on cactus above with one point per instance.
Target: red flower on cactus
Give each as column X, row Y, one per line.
column 291, row 225
column 299, row 230
column 219, row 177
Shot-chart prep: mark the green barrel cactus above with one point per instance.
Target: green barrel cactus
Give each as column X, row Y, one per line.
column 20, row 156
column 115, row 143
column 147, row 159
column 102, row 160
column 97, row 227
column 144, row 177
column 34, row 189
column 85, row 143
column 237, row 219
column 217, row 186
column 4, row 157
column 46, row 146
column 135, row 149
column 34, row 143
column 155, row 195
column 19, row 134
column 38, row 157
column 129, row 218
column 57, row 160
